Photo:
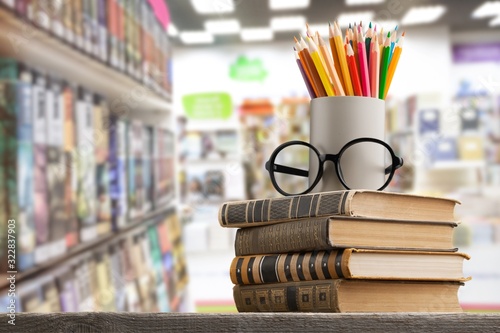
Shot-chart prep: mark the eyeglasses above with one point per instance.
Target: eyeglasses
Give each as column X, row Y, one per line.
column 296, row 167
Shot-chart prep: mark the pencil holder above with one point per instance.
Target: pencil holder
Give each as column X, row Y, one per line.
column 334, row 123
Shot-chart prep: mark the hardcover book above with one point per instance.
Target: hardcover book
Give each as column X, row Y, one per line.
column 102, row 29
column 148, row 165
column 324, row 233
column 68, row 23
column 121, row 34
column 164, row 170
column 112, row 22
column 349, row 263
column 341, row 295
column 357, row 203
column 78, row 17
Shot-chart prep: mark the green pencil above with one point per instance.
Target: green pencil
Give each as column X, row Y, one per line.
column 384, row 66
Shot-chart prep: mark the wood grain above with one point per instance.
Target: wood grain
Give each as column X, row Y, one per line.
column 101, row 322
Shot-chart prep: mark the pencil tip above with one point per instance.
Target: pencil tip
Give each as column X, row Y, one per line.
column 295, row 39
column 349, row 25
column 396, row 28
column 388, row 34
column 403, row 33
column 370, row 25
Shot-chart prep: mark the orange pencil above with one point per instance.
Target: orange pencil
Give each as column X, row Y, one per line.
column 332, row 72
column 335, row 55
column 394, row 63
column 298, row 48
column 316, row 80
column 351, row 61
column 337, row 37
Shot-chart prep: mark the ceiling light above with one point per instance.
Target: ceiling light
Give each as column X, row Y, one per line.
column 495, row 22
column 222, row 27
column 256, row 34
column 172, row 30
column 288, row 23
column 322, row 28
column 196, row 37
column 288, row 4
column 354, row 17
column 213, row 6
column 417, row 15
column 362, row 2
column 489, row 8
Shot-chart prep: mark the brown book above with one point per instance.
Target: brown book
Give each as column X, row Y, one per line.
column 324, row 233
column 348, row 264
column 359, row 203
column 340, row 295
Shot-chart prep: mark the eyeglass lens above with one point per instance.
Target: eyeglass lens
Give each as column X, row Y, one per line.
column 297, row 166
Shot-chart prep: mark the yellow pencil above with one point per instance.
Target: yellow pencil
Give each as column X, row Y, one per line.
column 313, row 50
column 334, row 76
column 339, row 46
column 394, row 63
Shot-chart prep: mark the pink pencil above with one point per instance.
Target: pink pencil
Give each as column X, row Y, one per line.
column 374, row 66
column 363, row 64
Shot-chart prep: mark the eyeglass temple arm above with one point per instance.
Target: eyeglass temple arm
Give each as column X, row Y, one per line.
column 288, row 170
column 396, row 166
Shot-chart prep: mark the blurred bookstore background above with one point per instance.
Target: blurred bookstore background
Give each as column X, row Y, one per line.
column 126, row 123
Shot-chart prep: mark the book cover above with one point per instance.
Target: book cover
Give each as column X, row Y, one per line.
column 41, row 200
column 84, row 285
column 445, row 149
column 112, row 27
column 104, row 293
column 340, row 295
column 324, row 233
column 118, row 176
column 70, row 164
column 67, row 21
column 78, row 17
column 50, row 297
column 161, row 290
column 86, row 178
column 428, row 121
column 180, row 266
column 56, row 168
column 120, row 17
column 56, row 13
column 357, row 203
column 145, row 41
column 471, row 148
column 135, row 184
column 87, row 26
column 117, row 276
column 102, row 28
column 348, row 263
column 94, row 27
column 101, row 149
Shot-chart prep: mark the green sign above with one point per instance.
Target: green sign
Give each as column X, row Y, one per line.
column 245, row 69
column 208, row 106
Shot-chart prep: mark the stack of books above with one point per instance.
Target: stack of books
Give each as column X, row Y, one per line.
column 345, row 251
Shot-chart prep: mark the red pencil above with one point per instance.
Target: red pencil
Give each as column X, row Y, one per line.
column 353, row 69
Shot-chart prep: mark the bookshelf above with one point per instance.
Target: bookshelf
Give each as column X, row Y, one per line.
column 138, row 92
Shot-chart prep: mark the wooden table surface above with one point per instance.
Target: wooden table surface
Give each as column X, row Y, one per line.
column 91, row 322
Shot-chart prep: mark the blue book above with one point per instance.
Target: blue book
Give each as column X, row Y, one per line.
column 428, row 121
column 117, row 172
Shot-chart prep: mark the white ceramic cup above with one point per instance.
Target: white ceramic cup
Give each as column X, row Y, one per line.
column 334, row 122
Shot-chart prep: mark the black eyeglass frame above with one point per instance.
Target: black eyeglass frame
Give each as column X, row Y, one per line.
column 397, row 162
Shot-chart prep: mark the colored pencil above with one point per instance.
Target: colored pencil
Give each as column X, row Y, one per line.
column 374, row 67
column 368, row 41
column 337, row 36
column 315, row 78
column 363, row 64
column 351, row 61
column 335, row 56
column 298, row 47
column 327, row 57
column 325, row 79
column 393, row 42
column 309, row 87
column 394, row 63
column 384, row 65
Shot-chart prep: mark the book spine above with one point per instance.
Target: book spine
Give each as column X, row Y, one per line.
column 304, row 235
column 69, row 34
column 315, row 296
column 289, row 267
column 251, row 213
column 70, row 165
